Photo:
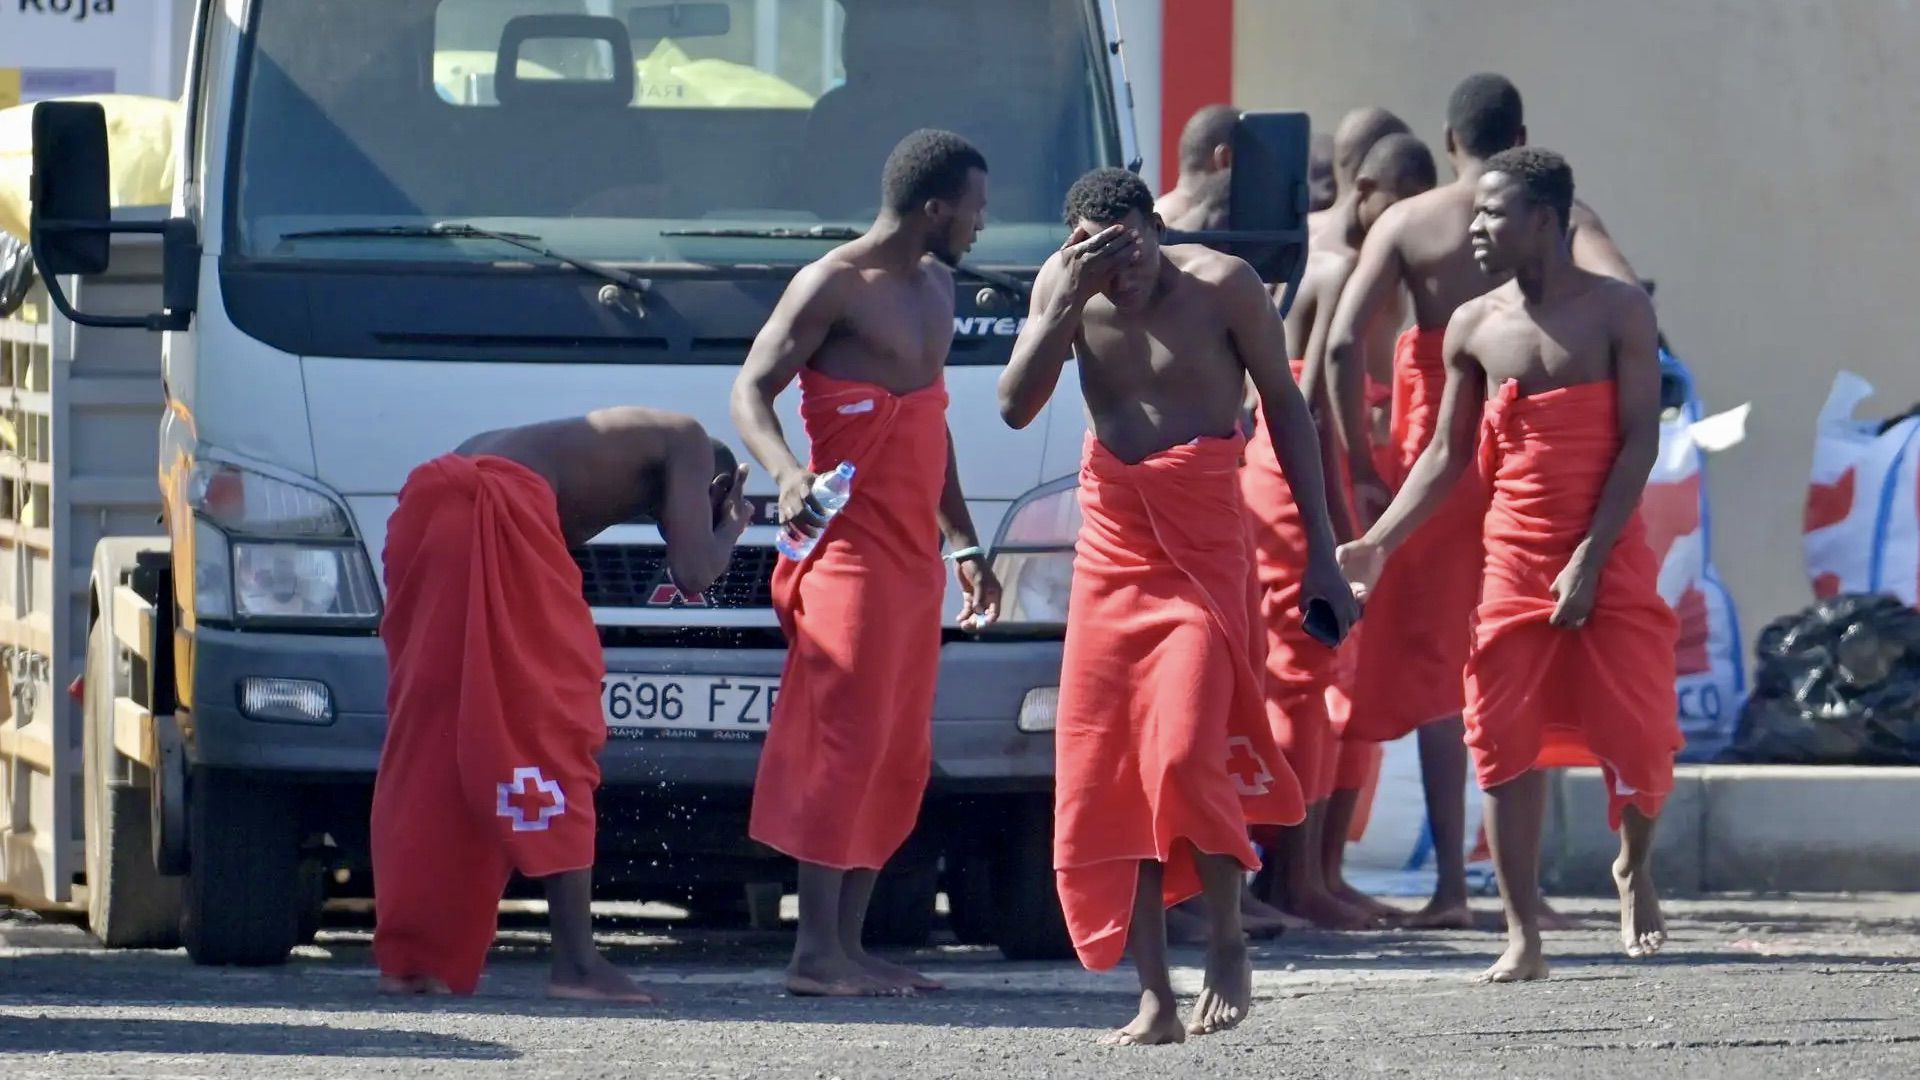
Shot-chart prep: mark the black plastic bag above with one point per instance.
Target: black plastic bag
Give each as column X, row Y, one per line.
column 1837, row 684
column 16, row 273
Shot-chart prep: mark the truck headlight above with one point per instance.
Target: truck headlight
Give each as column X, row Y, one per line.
column 1033, row 554
column 267, row 549
column 279, row 580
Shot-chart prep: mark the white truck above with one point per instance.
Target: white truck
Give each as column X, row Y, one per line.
column 398, row 223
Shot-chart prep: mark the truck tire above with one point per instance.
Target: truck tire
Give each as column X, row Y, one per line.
column 130, row 905
column 243, row 895
column 901, row 913
column 1027, row 923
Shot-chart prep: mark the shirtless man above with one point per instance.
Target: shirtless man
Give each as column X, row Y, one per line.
column 866, row 329
column 1163, row 743
column 1410, row 657
column 1355, row 135
column 1573, row 644
column 478, row 778
column 1398, row 166
column 1301, row 671
column 1198, row 201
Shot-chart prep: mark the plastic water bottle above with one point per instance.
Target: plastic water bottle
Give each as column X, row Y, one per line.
column 830, row 492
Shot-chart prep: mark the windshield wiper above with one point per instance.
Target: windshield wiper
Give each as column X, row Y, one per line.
column 1006, row 283
column 456, row 230
column 777, row 232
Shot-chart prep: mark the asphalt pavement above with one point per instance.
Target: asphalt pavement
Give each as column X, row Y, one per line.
column 1774, row 987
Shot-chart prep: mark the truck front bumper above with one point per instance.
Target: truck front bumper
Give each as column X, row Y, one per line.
column 978, row 746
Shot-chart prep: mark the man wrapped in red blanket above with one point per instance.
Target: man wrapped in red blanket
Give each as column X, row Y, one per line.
column 494, row 669
column 1164, row 753
column 1572, row 644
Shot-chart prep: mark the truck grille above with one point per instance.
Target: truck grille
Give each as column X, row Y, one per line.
column 636, row 576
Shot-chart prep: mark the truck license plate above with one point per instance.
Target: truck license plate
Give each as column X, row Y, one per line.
column 687, row 706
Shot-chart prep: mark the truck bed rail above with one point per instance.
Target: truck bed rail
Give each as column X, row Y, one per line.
column 79, row 416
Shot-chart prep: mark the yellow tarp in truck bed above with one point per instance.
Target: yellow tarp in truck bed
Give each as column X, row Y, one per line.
column 139, row 153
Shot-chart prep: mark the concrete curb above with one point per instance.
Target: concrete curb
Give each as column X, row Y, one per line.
column 1749, row 828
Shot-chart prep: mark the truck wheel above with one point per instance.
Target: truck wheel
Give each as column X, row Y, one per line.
column 970, row 898
column 1027, row 924
column 901, row 913
column 129, row 904
column 243, row 895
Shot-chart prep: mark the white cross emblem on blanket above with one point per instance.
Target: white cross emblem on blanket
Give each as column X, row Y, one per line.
column 530, row 800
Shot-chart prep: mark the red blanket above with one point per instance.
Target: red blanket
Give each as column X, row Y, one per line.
column 493, row 698
column 1534, row 690
column 1162, row 740
column 1414, row 650
column 849, row 745
column 1299, row 669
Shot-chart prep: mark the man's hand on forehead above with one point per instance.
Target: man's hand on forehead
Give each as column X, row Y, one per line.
column 1095, row 239
column 1091, row 259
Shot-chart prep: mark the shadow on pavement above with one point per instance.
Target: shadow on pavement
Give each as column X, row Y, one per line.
column 73, row 1035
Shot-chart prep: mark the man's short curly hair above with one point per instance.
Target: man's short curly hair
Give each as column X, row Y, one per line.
column 1106, row 196
column 1544, row 177
column 1485, row 114
column 928, row 164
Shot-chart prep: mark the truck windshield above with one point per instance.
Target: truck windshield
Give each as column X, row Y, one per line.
column 743, row 131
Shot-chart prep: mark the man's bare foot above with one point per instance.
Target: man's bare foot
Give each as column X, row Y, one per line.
column 895, row 975
column 1353, row 897
column 596, row 980
column 1522, row 962
column 1157, row 1024
column 837, row 976
column 1185, row 926
column 413, row 984
column 1643, row 930
column 1440, row 915
column 1327, row 912
column 1227, row 994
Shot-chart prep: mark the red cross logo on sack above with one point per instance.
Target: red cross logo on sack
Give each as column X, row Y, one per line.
column 1250, row 775
column 530, row 800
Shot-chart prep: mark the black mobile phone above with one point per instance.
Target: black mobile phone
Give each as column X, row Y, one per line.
column 1321, row 625
column 721, row 491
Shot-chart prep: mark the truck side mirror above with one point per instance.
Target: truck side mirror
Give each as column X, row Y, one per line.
column 71, row 225
column 71, row 197
column 1267, row 199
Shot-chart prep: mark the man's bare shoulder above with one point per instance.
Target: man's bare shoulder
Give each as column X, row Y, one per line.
column 835, row 270
column 1426, row 204
column 1440, row 207
column 1581, row 216
column 1471, row 315
column 1624, row 303
column 1207, row 266
column 938, row 271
